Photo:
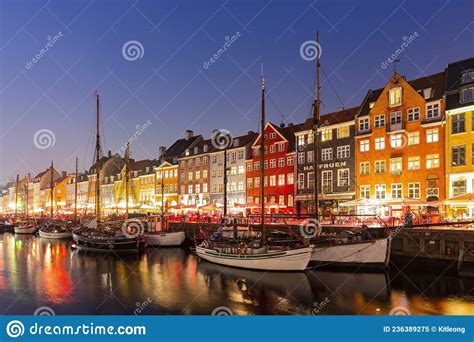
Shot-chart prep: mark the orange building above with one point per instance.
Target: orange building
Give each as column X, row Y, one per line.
column 399, row 147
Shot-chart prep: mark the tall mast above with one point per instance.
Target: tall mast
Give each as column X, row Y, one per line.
column 316, row 119
column 51, row 190
column 16, row 193
column 27, row 181
column 262, row 154
column 97, row 162
column 75, row 192
column 127, row 180
column 225, row 183
column 162, row 196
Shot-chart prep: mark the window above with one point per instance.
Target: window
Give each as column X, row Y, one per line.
column 301, row 181
column 380, row 166
column 190, row 176
column 365, row 191
column 364, row 145
column 241, row 155
column 343, row 152
column 256, row 166
column 396, row 190
column 272, row 135
column 190, row 163
column 364, row 168
column 432, row 135
column 467, row 95
column 310, row 138
column 290, row 179
column 458, row 123
column 395, row 96
column 301, row 140
column 204, row 174
column 458, row 155
column 281, row 162
column 272, row 148
column 290, row 201
column 396, row 166
column 380, row 191
column 326, row 135
column 414, row 190
column 249, row 183
column 380, row 120
column 197, row 175
column 413, row 163
column 310, row 183
column 326, row 182
column 379, row 143
column 310, row 156
column 281, row 179
column 459, row 187
column 204, row 187
column 396, row 141
column 364, row 124
column 467, row 76
column 326, row 154
column 281, row 147
column 413, row 138
column 432, row 161
column 273, row 163
column 290, row 160
column 343, row 177
column 198, row 188
column 301, row 158
column 204, row 160
column 395, row 118
column 256, row 182
column 432, row 110
column 413, row 114
column 190, row 189
column 273, row 180
column 343, row 132
column 265, row 164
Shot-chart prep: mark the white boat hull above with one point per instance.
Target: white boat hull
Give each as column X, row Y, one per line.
column 291, row 260
column 58, row 235
column 367, row 254
column 25, row 230
column 165, row 239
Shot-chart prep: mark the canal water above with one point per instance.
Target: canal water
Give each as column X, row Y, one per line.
column 35, row 272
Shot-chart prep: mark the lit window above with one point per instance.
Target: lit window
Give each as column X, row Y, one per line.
column 326, row 182
column 281, row 179
column 380, row 166
column 396, row 190
column 414, row 163
column 380, row 191
column 364, row 146
column 365, row 191
column 364, row 168
column 396, row 141
column 290, row 179
column 396, row 166
column 273, row 180
column 343, row 132
column 395, row 96
column 326, row 135
column 379, row 143
column 414, row 190
column 432, row 135
column 301, row 140
column 414, row 138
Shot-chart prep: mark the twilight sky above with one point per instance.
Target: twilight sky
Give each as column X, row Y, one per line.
column 170, row 89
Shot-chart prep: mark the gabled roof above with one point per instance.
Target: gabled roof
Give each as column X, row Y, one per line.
column 454, row 73
column 179, row 146
column 287, row 132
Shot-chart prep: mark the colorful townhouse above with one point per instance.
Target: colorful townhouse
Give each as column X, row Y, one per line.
column 194, row 175
column 279, row 182
column 237, row 154
column 399, row 145
column 336, row 168
column 460, row 138
column 166, row 174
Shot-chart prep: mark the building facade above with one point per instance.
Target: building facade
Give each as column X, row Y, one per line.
column 336, row 168
column 399, row 144
column 460, row 136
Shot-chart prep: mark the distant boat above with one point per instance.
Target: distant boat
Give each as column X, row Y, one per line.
column 155, row 236
column 26, row 227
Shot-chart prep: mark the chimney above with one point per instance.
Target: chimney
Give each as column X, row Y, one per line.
column 188, row 134
column 63, row 174
column 109, row 153
column 250, row 133
column 161, row 152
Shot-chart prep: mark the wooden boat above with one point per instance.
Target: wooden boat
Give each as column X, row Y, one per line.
column 264, row 260
column 372, row 254
column 164, row 239
column 55, row 232
column 25, row 228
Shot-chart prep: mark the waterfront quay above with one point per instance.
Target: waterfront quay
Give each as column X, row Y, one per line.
column 38, row 273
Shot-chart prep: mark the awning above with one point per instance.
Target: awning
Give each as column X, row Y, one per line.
column 361, row 202
column 466, row 199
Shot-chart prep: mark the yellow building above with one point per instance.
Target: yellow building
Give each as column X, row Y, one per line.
column 166, row 184
column 459, row 146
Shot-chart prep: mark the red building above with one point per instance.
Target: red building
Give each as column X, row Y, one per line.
column 279, row 166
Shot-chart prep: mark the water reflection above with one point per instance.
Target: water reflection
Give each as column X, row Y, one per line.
column 36, row 272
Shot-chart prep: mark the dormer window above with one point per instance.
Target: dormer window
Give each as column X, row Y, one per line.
column 432, row 110
column 467, row 95
column 364, row 124
column 147, row 169
column 467, row 76
column 236, row 142
column 427, row 93
column 196, row 150
column 187, row 152
column 205, row 148
column 395, row 97
column 371, row 105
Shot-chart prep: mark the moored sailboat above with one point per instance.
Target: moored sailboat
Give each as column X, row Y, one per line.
column 255, row 254
column 27, row 226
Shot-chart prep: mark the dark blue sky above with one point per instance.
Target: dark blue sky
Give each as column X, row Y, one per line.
column 171, row 87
